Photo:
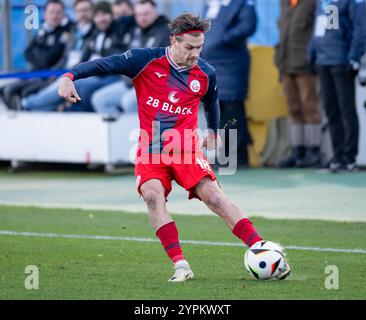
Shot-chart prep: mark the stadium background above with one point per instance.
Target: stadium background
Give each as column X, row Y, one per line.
column 266, row 34
column 266, row 107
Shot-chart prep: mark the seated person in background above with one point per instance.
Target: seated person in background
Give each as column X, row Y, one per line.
column 44, row 52
column 151, row 30
column 122, row 8
column 47, row 99
column 110, row 37
column 106, row 39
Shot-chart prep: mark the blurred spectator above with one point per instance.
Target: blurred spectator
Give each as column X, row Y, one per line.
column 81, row 32
column 299, row 82
column 151, row 31
column 152, row 28
column 47, row 99
column 336, row 49
column 122, row 8
column 111, row 37
column 233, row 22
column 45, row 51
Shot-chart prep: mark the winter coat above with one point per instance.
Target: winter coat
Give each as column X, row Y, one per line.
column 342, row 43
column 226, row 46
column 296, row 28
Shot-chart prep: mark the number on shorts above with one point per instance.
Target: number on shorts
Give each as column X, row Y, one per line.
column 203, row 164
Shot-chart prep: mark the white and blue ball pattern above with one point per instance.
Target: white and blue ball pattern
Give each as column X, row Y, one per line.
column 264, row 260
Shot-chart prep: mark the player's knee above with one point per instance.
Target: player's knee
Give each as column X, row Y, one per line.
column 215, row 200
column 153, row 197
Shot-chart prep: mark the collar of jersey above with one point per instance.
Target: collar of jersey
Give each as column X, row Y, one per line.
column 175, row 66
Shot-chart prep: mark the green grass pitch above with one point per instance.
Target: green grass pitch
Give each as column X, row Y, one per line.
column 78, row 268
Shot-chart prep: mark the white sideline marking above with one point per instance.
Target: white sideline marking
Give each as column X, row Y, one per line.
column 140, row 208
column 196, row 242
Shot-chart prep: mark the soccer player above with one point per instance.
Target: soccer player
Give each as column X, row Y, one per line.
column 170, row 83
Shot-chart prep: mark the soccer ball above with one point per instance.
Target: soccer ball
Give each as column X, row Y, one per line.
column 264, row 260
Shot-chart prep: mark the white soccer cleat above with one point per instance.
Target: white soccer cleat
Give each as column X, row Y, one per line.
column 182, row 273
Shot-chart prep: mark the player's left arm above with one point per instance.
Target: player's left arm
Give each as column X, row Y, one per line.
column 212, row 113
column 245, row 26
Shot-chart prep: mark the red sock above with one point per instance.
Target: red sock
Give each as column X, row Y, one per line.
column 245, row 231
column 168, row 235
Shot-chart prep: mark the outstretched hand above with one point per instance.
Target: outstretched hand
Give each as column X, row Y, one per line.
column 66, row 90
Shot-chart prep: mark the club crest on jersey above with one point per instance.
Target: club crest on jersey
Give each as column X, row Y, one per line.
column 172, row 97
column 195, row 86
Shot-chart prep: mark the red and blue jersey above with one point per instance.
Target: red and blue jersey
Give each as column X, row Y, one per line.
column 168, row 96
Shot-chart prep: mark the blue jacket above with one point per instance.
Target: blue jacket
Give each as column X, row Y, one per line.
column 225, row 47
column 339, row 46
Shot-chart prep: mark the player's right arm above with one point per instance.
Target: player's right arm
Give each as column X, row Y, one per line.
column 129, row 63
